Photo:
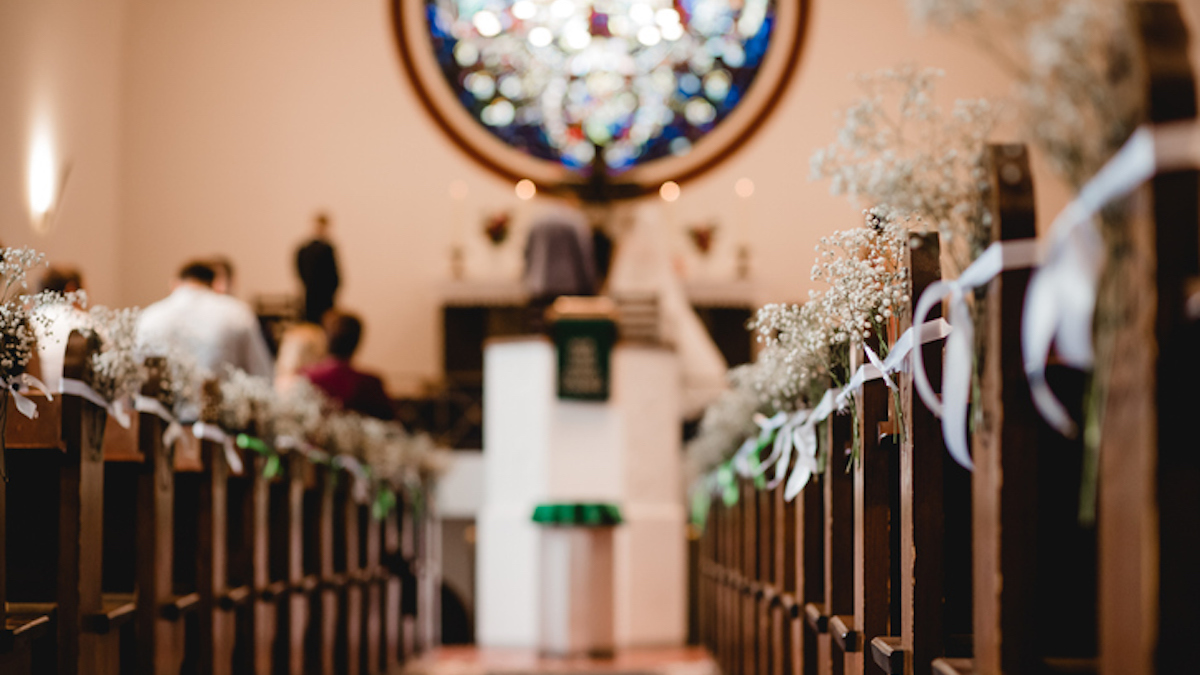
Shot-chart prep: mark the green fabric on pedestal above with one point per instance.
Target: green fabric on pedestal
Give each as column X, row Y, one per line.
column 578, row 514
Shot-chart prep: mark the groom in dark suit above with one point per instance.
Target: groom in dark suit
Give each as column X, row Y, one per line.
column 317, row 265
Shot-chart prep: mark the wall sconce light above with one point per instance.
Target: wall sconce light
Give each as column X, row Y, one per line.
column 46, row 185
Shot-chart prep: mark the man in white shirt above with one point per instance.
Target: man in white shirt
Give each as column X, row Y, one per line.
column 216, row 329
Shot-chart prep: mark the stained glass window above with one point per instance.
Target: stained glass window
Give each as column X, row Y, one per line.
column 637, row 79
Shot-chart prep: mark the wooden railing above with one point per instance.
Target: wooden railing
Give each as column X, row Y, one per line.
column 122, row 554
column 904, row 562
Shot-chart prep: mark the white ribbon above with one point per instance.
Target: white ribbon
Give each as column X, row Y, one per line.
column 25, row 405
column 211, row 432
column 804, row 437
column 896, row 361
column 781, row 446
column 313, row 454
column 361, row 491
column 960, row 346
column 72, row 387
column 152, row 406
column 798, row 431
column 766, row 426
column 1062, row 293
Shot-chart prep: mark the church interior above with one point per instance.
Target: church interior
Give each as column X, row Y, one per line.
column 638, row 337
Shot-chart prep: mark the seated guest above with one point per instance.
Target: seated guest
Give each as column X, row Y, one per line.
column 223, row 274
column 218, row 330
column 301, row 347
column 355, row 390
column 61, row 279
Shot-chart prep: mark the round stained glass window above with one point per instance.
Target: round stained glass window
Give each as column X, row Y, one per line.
column 557, row 90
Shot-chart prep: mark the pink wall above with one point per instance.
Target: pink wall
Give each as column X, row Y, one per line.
column 61, row 76
column 242, row 118
column 220, row 126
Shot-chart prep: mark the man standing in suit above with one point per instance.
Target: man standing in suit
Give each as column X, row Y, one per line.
column 317, row 265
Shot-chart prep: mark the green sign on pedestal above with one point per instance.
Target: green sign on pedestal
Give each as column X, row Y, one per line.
column 584, row 352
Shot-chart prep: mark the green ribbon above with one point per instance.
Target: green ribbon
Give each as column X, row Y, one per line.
column 578, row 514
column 385, row 502
column 727, row 484
column 274, row 465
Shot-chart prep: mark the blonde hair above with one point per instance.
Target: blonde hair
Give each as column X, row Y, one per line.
column 301, row 346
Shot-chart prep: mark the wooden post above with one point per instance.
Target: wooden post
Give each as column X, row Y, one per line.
column 346, row 538
column 838, row 610
column 1005, row 448
column 812, row 631
column 269, row 592
column 872, row 525
column 160, row 613
column 291, row 568
column 778, row 585
column 1149, row 510
column 374, row 582
column 934, row 518
column 748, row 570
column 56, row 473
column 321, row 582
column 220, row 604
column 392, row 601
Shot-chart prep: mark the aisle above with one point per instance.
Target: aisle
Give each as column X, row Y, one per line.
column 476, row 661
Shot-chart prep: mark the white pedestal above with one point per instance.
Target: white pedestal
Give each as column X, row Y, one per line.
column 625, row 451
column 576, row 617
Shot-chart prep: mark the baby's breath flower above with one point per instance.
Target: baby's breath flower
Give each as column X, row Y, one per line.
column 899, row 152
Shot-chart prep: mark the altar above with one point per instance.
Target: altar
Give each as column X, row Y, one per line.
column 626, row 451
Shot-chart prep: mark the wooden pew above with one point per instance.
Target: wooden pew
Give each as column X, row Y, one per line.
column 809, row 568
column 222, row 603
column 834, row 619
column 247, row 570
column 932, row 516
column 348, row 565
column 54, row 528
column 411, row 545
column 300, row 476
column 390, row 646
column 279, row 578
column 319, row 562
column 374, row 591
column 140, row 541
column 1149, row 508
column 748, row 571
column 873, row 480
column 1030, row 550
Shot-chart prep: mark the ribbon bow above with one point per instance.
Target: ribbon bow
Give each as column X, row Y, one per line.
column 25, row 405
column 745, row 460
column 72, row 387
column 960, row 345
column 1061, row 299
column 211, row 432
column 805, row 439
column 152, row 406
column 361, row 492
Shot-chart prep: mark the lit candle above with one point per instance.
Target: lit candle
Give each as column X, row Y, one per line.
column 458, row 212
column 744, row 189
